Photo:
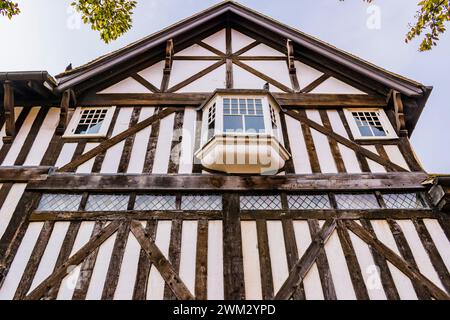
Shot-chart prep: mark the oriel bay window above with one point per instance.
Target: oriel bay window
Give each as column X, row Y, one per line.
column 240, row 133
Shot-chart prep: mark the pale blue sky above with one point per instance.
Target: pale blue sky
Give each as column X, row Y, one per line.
column 46, row 37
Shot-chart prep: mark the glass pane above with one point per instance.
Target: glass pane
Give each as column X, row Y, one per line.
column 95, row 128
column 106, row 202
column 155, row 202
column 59, row 202
column 317, row 201
column 365, row 131
column 356, row 201
column 268, row 202
column 81, row 129
column 232, row 124
column 254, row 124
column 378, row 132
column 403, row 201
column 201, row 202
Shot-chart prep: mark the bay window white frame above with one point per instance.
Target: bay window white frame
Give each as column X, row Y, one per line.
column 219, row 119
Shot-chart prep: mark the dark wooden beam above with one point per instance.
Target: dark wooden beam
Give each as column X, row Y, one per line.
column 23, row 173
column 196, row 76
column 346, row 142
column 198, row 182
column 74, row 260
column 411, row 271
column 260, row 58
column 328, row 100
column 400, row 120
column 210, row 48
column 261, row 75
column 288, row 100
column 291, row 65
column 301, row 268
column 158, row 259
column 246, row 48
column 105, row 145
column 233, row 266
column 144, row 99
column 144, row 265
column 399, row 214
column 8, row 109
column 197, row 58
column 310, row 87
column 64, row 113
column 167, row 65
column 145, row 83
column 433, row 253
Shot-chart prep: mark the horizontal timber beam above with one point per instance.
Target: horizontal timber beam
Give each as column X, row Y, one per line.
column 195, row 99
column 23, row 173
column 139, row 99
column 378, row 214
column 328, row 100
column 311, row 182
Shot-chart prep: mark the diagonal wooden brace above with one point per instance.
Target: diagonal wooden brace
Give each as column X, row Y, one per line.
column 411, row 271
column 158, row 259
column 301, row 268
column 346, row 142
column 105, row 145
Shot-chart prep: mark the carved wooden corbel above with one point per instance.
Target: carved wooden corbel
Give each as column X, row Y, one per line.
column 291, row 65
column 400, row 122
column 167, row 65
column 67, row 97
column 8, row 109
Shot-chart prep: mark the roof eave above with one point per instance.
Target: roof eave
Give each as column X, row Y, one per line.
column 391, row 81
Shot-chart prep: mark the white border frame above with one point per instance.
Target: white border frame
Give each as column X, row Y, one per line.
column 69, row 133
column 387, row 126
column 218, row 100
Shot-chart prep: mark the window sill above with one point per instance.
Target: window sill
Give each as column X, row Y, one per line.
column 243, row 153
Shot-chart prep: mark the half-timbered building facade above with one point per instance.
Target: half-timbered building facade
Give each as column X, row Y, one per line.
column 228, row 156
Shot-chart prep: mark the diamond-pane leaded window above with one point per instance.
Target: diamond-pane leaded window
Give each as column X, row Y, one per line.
column 107, row 202
column 403, row 201
column 266, row 202
column 201, row 202
column 155, row 202
column 59, row 202
column 312, row 201
column 357, row 201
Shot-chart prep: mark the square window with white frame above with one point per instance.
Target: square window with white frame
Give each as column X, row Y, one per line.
column 243, row 115
column 367, row 124
column 89, row 122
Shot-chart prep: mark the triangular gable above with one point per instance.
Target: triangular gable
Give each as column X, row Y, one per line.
column 335, row 86
column 217, row 40
column 128, row 85
column 211, row 25
column 263, row 50
column 239, row 40
column 153, row 74
column 195, row 50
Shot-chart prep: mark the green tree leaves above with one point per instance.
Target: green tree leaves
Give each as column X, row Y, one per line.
column 9, row 8
column 431, row 19
column 112, row 18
